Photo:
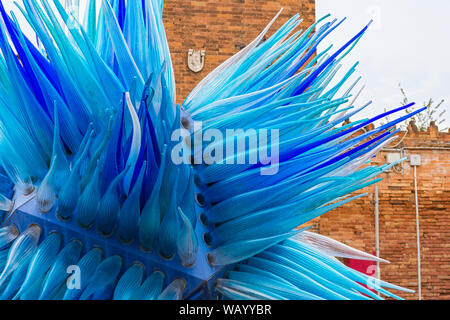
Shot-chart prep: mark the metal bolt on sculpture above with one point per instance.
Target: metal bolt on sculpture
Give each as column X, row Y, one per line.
column 92, row 187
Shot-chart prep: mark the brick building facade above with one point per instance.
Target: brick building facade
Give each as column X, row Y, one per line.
column 222, row 28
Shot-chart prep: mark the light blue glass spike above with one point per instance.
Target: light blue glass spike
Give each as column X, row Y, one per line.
column 318, row 278
column 109, row 207
column 5, row 203
column 88, row 202
column 289, row 291
column 16, row 280
column 167, row 238
column 96, row 154
column 57, row 274
column 152, row 287
column 238, row 290
column 70, row 192
column 3, row 258
column 297, row 278
column 105, row 274
column 251, row 270
column 232, row 252
column 33, row 292
column 88, row 154
column 21, row 249
column 321, row 268
column 151, row 214
column 46, row 194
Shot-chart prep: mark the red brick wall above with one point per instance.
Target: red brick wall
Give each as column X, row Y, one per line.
column 222, row 28
column 354, row 224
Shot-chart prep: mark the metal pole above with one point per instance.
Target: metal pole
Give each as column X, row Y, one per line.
column 377, row 233
column 377, row 230
column 418, row 234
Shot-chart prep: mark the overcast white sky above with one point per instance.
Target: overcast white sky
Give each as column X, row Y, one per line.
column 408, row 43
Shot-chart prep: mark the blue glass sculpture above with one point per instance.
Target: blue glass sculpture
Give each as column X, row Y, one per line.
column 108, row 204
